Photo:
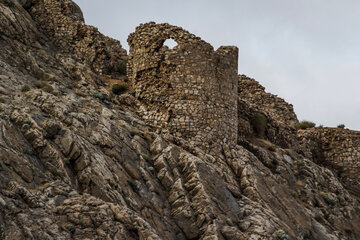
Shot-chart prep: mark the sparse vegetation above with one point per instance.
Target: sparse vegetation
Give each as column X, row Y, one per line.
column 152, row 170
column 305, row 124
column 259, row 122
column 135, row 131
column 341, row 126
column 328, row 199
column 4, row 117
column 229, row 222
column 98, row 95
column 281, row 235
column 30, row 152
column 133, row 93
column 70, row 228
column 43, row 85
column 26, row 120
column 299, row 183
column 47, row 88
column 40, row 84
column 25, row 88
column 271, row 148
column 119, row 88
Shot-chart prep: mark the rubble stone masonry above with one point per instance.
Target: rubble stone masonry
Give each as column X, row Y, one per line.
column 63, row 22
column 191, row 90
column 339, row 148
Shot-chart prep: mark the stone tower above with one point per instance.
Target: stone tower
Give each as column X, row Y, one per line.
column 191, row 90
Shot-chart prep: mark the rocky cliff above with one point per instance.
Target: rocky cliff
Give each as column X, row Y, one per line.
column 80, row 162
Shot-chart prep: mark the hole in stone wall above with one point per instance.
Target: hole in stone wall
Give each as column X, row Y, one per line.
column 170, row 43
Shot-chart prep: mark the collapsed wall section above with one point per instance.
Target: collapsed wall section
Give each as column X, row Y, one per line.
column 191, row 90
column 62, row 21
column 337, row 148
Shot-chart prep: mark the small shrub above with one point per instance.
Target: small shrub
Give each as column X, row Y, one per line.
column 25, row 88
column 135, row 131
column 329, row 200
column 259, row 122
column 47, row 88
column 281, row 235
column 98, row 95
column 30, row 152
column 341, row 126
column 70, row 228
column 271, row 148
column 43, row 85
column 4, row 117
column 152, row 170
column 229, row 222
column 305, row 125
column 40, row 84
column 145, row 157
column 119, row 89
column 26, row 120
column 133, row 93
column 299, row 183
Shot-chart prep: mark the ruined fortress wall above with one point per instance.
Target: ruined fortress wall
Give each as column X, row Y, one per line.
column 280, row 115
column 340, row 148
column 190, row 90
column 62, row 21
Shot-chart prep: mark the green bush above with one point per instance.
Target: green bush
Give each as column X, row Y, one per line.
column 119, row 88
column 25, row 88
column 281, row 235
column 305, row 125
column 98, row 95
column 341, row 126
column 259, row 122
column 71, row 228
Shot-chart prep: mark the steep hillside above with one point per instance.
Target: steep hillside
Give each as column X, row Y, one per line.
column 165, row 159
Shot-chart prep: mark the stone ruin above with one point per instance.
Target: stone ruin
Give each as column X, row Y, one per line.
column 337, row 148
column 190, row 90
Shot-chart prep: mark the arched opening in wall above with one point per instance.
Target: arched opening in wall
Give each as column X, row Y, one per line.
column 170, row 43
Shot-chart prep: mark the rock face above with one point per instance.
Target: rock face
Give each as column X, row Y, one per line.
column 190, row 89
column 77, row 162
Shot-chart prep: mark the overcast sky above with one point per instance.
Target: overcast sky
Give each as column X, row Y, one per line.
column 307, row 52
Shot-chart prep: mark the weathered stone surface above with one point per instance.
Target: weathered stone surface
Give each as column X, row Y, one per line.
column 77, row 162
column 336, row 148
column 190, row 89
column 280, row 116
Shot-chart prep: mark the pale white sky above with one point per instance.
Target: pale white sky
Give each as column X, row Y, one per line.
column 307, row 52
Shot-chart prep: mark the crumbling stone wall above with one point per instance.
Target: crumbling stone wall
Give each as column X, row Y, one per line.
column 281, row 118
column 336, row 148
column 190, row 89
column 62, row 21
